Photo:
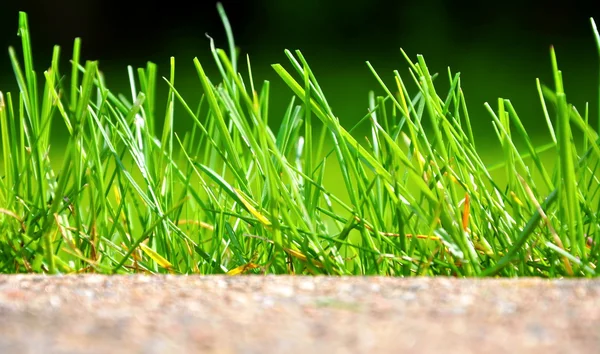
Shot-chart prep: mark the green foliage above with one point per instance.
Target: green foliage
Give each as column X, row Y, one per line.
column 234, row 196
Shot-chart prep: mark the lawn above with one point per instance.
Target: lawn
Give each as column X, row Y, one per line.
column 403, row 192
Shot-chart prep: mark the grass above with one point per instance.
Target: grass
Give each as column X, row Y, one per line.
column 232, row 195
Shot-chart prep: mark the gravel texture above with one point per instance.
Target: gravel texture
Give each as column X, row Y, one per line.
column 290, row 314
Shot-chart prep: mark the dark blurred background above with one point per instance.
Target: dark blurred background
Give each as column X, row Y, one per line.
column 500, row 48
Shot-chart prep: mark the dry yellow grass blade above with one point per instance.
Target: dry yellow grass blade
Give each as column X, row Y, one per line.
column 201, row 224
column 14, row 216
column 156, row 257
column 263, row 220
column 242, row 269
column 466, row 213
column 302, row 257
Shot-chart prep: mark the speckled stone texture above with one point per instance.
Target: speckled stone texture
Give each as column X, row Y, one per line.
column 288, row 314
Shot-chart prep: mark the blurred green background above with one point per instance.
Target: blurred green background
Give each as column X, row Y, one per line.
column 500, row 48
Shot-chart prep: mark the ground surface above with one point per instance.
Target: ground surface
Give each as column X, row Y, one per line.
column 256, row 314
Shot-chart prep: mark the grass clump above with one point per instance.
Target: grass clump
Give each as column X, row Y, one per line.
column 232, row 195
